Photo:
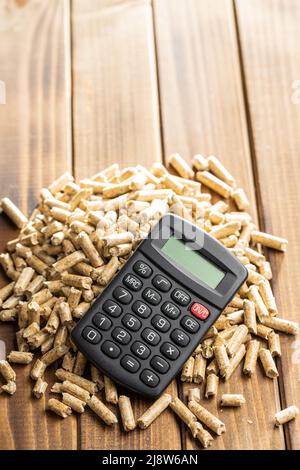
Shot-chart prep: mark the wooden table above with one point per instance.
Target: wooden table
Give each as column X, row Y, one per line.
column 91, row 82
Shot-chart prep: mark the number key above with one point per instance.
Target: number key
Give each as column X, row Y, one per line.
column 150, row 336
column 113, row 309
column 142, row 269
column 102, row 322
column 131, row 322
column 91, row 335
column 140, row 350
column 122, row 295
column 160, row 323
column 120, row 335
column 141, row 309
column 132, row 282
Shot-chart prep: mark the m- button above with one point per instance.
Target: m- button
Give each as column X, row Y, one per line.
column 180, row 297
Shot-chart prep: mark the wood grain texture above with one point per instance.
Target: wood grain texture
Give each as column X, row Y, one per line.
column 269, row 34
column 35, row 134
column 202, row 110
column 116, row 119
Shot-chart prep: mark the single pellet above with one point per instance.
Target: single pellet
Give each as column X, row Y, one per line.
column 7, row 371
column 222, row 359
column 19, row 357
column 286, row 415
column 265, row 270
column 260, row 308
column 13, row 212
column 23, row 281
column 271, row 241
column 268, row 297
column 194, row 394
column 216, row 167
column 225, row 230
column 250, row 316
column 181, row 166
column 38, row 370
column 75, row 391
column 80, row 363
column 240, row 198
column 236, row 340
column 111, row 393
column 89, row 249
column 69, row 261
column 75, row 403
column 97, row 377
column 182, row 411
column 200, row 162
column 280, row 324
column 274, row 344
column 126, row 413
column 102, row 411
column 207, row 418
column 235, row 361
column 39, row 388
column 154, row 411
column 232, row 399
column 199, row 369
column 268, row 363
column 187, row 370
column 212, row 383
column 59, row 408
column 251, row 357
column 214, row 183
column 10, row 387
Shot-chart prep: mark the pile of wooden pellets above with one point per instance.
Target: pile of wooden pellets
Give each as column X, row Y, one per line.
column 77, row 239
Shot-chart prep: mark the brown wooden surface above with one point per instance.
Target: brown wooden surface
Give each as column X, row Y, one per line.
column 149, row 79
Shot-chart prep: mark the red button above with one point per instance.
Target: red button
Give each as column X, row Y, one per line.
column 199, row 311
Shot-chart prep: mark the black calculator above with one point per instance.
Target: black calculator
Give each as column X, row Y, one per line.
column 151, row 317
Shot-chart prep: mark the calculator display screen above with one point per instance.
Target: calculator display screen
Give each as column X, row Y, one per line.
column 193, row 262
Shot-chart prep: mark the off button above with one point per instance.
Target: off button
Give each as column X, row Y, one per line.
column 180, row 297
column 199, row 311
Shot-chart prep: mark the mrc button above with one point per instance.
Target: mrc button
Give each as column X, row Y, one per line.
column 181, row 297
column 199, row 311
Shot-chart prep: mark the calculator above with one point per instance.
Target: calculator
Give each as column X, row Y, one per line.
column 154, row 313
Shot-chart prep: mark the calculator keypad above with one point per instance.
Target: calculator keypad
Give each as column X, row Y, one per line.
column 145, row 324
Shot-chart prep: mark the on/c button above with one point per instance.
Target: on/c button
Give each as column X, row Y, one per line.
column 199, row 311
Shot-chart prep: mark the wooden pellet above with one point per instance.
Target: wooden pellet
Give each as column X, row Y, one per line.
column 200, row 162
column 222, row 359
column 38, row 265
column 102, row 411
column 69, row 261
column 214, row 183
column 97, row 377
column 204, row 437
column 75, row 391
column 268, row 297
column 250, row 316
column 194, row 394
column 236, row 340
column 39, row 388
column 240, row 198
column 260, row 308
column 199, row 369
column 274, row 344
column 80, row 364
column 154, row 411
column 109, row 271
column 88, row 385
column 13, row 212
column 271, row 241
column 38, row 370
column 75, row 403
column 89, row 249
column 7, row 371
column 182, row 411
column 10, row 387
column 268, row 363
column 225, row 230
column 216, row 167
column 110, row 389
column 232, row 399
column 19, row 357
column 187, row 370
column 181, row 166
column 23, row 281
column 74, row 280
column 126, row 413
column 251, row 357
column 212, row 383
column 207, row 418
column 235, row 361
column 265, row 270
column 58, row 184
column 286, row 415
column 59, row 408
column 280, row 324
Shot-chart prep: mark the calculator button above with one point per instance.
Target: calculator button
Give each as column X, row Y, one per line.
column 149, row 378
column 170, row 310
column 120, row 335
column 170, row 351
column 160, row 365
column 141, row 309
column 130, row 363
column 199, row 311
column 180, row 337
column 113, row 309
column 189, row 324
column 132, row 282
column 122, row 295
column 181, row 297
column 102, row 322
column 111, row 349
column 161, row 283
column 151, row 296
column 150, row 336
column 140, row 350
column 91, row 335
column 142, row 269
column 131, row 322
column 160, row 323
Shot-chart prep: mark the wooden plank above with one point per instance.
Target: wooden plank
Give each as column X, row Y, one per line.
column 116, row 119
column 202, row 110
column 269, row 34
column 35, row 136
